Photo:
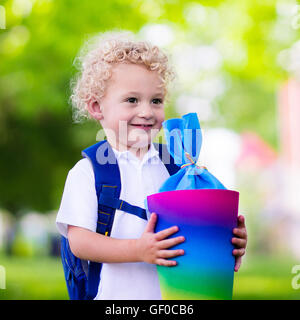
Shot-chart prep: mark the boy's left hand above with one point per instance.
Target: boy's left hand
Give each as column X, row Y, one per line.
column 240, row 242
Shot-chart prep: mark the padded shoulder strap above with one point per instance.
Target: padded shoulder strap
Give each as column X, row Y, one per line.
column 105, row 167
column 108, row 184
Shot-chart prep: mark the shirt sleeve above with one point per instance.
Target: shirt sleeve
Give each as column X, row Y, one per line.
column 79, row 203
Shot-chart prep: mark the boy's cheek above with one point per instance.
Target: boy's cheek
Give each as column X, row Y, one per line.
column 160, row 120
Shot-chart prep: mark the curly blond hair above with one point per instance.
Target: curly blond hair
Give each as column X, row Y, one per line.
column 97, row 58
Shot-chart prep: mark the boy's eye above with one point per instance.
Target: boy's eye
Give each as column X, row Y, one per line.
column 157, row 101
column 132, row 100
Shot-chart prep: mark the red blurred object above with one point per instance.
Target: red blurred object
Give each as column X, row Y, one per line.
column 289, row 116
column 255, row 152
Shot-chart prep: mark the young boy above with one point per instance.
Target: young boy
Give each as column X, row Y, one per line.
column 123, row 85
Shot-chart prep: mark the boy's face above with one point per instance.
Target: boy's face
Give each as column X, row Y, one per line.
column 132, row 109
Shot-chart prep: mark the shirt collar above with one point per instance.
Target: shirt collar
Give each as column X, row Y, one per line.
column 151, row 153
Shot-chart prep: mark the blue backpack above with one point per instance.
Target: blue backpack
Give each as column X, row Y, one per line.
column 83, row 277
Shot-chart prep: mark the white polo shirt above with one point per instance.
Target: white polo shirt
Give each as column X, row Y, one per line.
column 79, row 206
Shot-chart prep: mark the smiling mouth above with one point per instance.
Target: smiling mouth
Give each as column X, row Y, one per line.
column 143, row 126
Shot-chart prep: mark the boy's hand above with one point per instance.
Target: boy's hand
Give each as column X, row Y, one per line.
column 240, row 242
column 152, row 247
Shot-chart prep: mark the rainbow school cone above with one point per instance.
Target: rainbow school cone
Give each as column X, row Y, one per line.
column 206, row 218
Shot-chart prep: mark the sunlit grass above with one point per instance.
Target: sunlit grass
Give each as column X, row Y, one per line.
column 260, row 277
column 33, row 278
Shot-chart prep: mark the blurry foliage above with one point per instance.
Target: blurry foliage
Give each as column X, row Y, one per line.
column 251, row 108
column 38, row 141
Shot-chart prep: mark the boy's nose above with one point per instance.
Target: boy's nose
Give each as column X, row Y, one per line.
column 145, row 111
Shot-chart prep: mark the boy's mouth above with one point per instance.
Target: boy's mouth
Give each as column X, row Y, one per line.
column 143, row 126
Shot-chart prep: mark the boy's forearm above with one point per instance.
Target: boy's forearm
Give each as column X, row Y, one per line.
column 92, row 246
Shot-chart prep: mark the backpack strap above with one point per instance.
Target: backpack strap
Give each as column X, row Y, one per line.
column 107, row 181
column 118, row 204
column 107, row 185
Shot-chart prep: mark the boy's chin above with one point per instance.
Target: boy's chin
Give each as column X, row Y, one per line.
column 139, row 141
column 140, row 144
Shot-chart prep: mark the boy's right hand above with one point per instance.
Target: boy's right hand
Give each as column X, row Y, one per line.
column 152, row 247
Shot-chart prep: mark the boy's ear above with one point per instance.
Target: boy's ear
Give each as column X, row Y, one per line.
column 95, row 110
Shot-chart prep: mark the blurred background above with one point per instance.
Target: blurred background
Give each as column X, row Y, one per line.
column 238, row 67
